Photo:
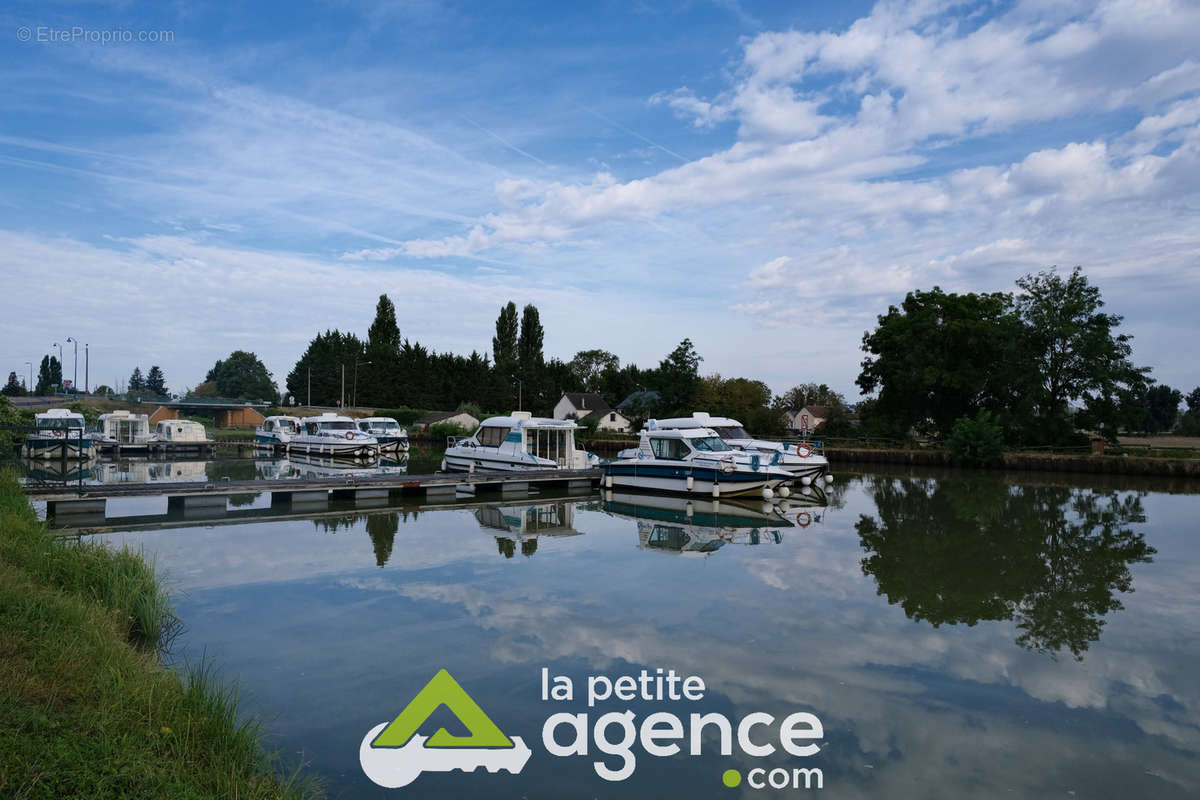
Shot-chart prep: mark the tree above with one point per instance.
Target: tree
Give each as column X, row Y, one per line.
column 155, row 382
column 1163, row 407
column 104, row 390
column 1189, row 424
column 49, row 376
column 531, row 362
column 976, row 440
column 13, row 388
column 677, row 378
column 809, row 394
column 137, row 383
column 318, row 373
column 589, row 367
column 244, row 377
column 1077, row 354
column 748, row 401
column 505, row 356
column 379, row 385
column 939, row 357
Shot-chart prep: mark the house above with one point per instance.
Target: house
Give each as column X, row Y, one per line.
column 809, row 418
column 459, row 418
column 581, row 406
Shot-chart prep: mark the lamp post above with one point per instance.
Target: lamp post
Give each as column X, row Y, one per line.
column 354, row 391
column 342, row 402
column 29, row 388
column 60, row 360
column 75, row 377
column 87, row 388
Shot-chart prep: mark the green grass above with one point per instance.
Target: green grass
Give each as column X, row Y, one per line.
column 88, row 708
column 232, row 434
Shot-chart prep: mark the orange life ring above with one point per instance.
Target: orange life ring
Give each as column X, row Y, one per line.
column 803, row 451
column 804, row 519
column 727, row 465
column 349, row 435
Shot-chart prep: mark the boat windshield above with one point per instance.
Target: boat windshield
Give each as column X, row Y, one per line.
column 709, row 443
column 732, row 432
column 338, row 425
column 385, row 426
column 287, row 424
column 59, row 423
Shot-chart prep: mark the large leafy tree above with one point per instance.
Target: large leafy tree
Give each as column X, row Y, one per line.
column 49, row 376
column 589, row 367
column 243, row 376
column 13, row 388
column 809, row 394
column 746, row 400
column 156, row 383
column 677, row 378
column 940, row 356
column 1077, row 357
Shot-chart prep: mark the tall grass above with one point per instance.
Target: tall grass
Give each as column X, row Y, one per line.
column 88, row 708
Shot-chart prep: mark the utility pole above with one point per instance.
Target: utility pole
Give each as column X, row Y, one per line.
column 29, row 388
column 86, row 363
column 309, row 403
column 342, row 402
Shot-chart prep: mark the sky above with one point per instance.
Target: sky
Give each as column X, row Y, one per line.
column 179, row 179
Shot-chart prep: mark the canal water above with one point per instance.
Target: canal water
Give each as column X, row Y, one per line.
column 956, row 635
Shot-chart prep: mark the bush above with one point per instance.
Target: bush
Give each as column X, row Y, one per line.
column 471, row 408
column 404, row 415
column 441, row 430
column 976, row 440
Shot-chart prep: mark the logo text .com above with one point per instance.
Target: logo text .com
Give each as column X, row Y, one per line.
column 78, row 34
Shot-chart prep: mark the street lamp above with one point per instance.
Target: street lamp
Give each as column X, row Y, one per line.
column 75, row 377
column 354, row 391
column 29, row 387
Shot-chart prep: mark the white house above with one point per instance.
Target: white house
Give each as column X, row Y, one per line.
column 808, row 418
column 589, row 405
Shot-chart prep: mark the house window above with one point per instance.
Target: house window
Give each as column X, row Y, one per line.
column 612, row 417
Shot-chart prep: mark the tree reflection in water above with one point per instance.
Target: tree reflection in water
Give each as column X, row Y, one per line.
column 961, row 550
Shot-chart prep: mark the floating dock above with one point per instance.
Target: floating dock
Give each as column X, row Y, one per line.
column 87, row 505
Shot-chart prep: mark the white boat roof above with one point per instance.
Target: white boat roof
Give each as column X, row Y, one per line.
column 681, row 433
column 179, row 422
column 283, row 416
column 698, row 419
column 522, row 419
column 58, row 413
column 122, row 413
column 377, row 419
column 328, row 416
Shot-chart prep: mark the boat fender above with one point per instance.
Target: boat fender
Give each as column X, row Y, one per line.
column 806, row 480
column 829, row 477
column 691, row 482
column 767, row 493
column 716, row 492
column 784, row 491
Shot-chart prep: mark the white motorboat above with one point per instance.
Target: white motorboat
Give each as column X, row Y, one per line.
column 518, row 442
column 58, row 433
column 333, row 435
column 277, row 432
column 696, row 461
column 124, row 429
column 391, row 436
column 182, row 434
column 803, row 460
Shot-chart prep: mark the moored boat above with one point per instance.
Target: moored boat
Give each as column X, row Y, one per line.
column 181, row 435
column 58, row 433
column 803, row 460
column 518, row 442
column 333, row 435
column 124, row 429
column 277, row 432
column 391, row 436
column 696, row 461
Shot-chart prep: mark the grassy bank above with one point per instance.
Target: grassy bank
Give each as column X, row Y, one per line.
column 88, row 709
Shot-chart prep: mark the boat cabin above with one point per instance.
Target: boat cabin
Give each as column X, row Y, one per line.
column 281, row 424
column 327, row 423
column 125, row 427
column 381, row 426
column 59, row 419
column 180, row 430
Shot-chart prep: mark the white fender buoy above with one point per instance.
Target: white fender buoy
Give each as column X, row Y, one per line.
column 443, row 467
column 767, row 493
column 767, row 508
column 688, row 510
column 783, row 505
column 806, row 480
column 805, row 490
column 829, row 477
column 691, row 481
column 608, row 481
column 785, row 491
column 716, row 492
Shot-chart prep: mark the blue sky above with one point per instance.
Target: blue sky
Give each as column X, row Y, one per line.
column 762, row 178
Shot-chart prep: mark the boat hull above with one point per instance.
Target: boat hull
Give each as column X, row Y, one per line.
column 53, row 447
column 685, row 479
column 331, row 447
column 392, row 444
column 485, row 462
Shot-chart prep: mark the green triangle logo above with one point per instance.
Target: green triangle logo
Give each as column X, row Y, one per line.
column 443, row 690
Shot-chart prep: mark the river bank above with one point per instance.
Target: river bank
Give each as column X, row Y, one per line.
column 90, row 710
column 1034, row 462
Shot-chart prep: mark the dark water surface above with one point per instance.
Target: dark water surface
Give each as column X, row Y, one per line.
column 961, row 636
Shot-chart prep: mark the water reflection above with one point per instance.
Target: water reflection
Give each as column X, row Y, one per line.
column 1051, row 558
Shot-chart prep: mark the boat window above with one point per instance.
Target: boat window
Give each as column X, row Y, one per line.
column 337, row 425
column 732, row 432
column 59, row 423
column 669, row 448
column 491, row 436
column 555, row 444
column 709, row 444
column 365, row 427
